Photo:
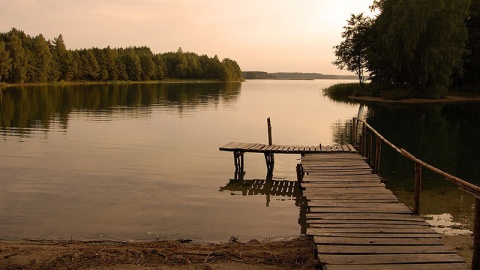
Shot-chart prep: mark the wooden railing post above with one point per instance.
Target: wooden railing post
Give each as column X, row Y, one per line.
column 364, row 140
column 476, row 236
column 269, row 158
column 418, row 187
column 354, row 132
column 269, row 131
column 378, row 151
column 370, row 151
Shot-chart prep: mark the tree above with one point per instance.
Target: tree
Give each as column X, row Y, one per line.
column 67, row 66
column 5, row 61
column 148, row 68
column 41, row 60
column 233, row 71
column 133, row 68
column 88, row 68
column 418, row 44
column 351, row 53
column 472, row 57
column 160, row 67
column 19, row 58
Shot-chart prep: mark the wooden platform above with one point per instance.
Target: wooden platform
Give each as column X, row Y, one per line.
column 356, row 223
column 285, row 149
column 268, row 150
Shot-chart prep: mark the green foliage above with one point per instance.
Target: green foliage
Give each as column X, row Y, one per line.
column 342, row 91
column 471, row 68
column 25, row 59
column 415, row 45
column 5, row 61
column 352, row 52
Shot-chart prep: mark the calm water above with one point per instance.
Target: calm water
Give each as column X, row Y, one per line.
column 141, row 162
column 136, row 162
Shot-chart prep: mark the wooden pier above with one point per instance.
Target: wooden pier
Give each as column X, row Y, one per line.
column 356, row 223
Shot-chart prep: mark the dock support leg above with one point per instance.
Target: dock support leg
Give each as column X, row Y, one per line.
column 270, row 160
column 239, row 162
column 300, row 173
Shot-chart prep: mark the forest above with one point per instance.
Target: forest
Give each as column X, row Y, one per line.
column 424, row 47
column 27, row 59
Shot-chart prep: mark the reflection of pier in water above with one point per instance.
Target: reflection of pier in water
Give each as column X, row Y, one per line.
column 284, row 189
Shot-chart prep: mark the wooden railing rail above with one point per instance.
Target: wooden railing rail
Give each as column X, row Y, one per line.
column 364, row 141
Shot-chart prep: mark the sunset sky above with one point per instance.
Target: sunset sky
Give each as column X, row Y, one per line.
column 267, row 35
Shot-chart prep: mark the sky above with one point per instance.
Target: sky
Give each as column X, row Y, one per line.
column 261, row 35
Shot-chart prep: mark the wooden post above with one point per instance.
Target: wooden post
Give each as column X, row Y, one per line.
column 364, row 139
column 354, row 132
column 418, row 187
column 269, row 159
column 269, row 131
column 300, row 173
column 370, row 151
column 378, row 151
column 476, row 236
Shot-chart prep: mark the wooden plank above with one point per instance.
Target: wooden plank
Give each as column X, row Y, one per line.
column 227, row 146
column 392, row 210
column 349, row 204
column 360, row 242
column 345, row 148
column 353, row 201
column 314, row 177
column 380, row 231
column 344, row 185
column 372, row 197
column 342, row 191
column 390, row 259
column 325, row 165
column 430, row 266
column 355, row 250
column 364, row 216
column 373, row 236
column 365, row 223
column 351, row 148
column 371, row 225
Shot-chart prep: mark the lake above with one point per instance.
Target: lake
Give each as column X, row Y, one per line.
column 141, row 161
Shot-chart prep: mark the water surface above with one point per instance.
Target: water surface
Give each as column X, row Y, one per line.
column 141, row 162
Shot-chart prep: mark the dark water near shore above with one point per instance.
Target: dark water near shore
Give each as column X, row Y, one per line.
column 141, row 162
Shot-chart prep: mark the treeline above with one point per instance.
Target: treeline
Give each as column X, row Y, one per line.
column 291, row 75
column 426, row 47
column 27, row 59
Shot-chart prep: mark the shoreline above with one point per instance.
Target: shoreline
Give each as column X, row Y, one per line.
column 447, row 99
column 288, row 253
column 274, row 255
column 168, row 81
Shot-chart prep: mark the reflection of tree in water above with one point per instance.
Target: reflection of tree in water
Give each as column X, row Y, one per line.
column 268, row 188
column 342, row 131
column 39, row 106
column 444, row 135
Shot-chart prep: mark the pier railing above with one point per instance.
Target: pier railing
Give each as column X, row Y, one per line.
column 369, row 142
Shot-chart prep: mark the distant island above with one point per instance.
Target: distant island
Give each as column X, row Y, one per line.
column 249, row 75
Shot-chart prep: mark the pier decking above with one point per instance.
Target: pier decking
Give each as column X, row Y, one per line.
column 356, row 223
